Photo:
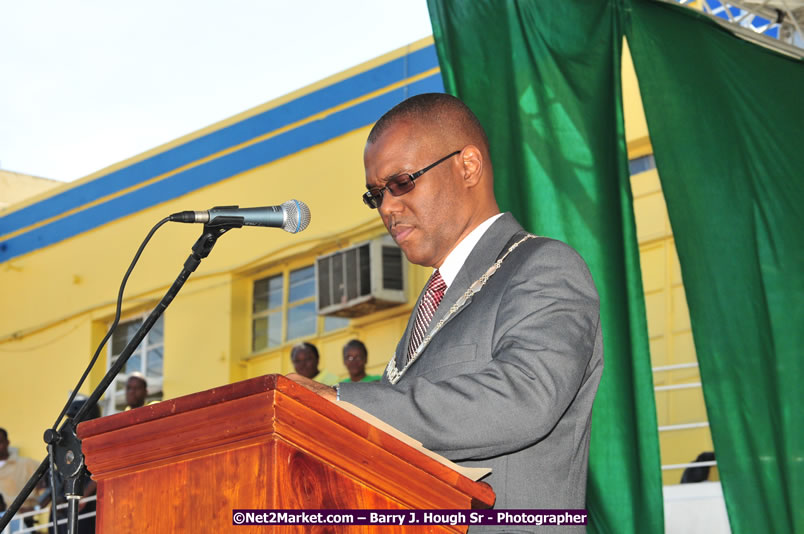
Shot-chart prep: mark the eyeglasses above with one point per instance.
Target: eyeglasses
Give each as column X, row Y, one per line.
column 398, row 185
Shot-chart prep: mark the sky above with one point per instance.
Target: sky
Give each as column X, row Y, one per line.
column 86, row 84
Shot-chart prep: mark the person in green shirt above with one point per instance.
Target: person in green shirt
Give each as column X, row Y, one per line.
column 355, row 357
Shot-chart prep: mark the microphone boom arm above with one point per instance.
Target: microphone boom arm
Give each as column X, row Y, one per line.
column 65, row 443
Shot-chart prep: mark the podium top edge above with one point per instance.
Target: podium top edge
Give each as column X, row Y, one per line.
column 268, row 386
column 188, row 403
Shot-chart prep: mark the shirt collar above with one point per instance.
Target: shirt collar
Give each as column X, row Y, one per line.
column 455, row 259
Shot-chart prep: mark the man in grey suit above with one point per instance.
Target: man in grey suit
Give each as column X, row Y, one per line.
column 503, row 370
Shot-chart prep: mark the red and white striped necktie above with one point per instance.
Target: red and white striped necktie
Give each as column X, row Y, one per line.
column 436, row 288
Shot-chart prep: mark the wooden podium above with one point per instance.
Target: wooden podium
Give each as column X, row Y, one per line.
column 183, row 465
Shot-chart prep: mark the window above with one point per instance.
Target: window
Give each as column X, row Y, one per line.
column 267, row 310
column 641, row 164
column 334, row 323
column 147, row 359
column 279, row 316
column 301, row 303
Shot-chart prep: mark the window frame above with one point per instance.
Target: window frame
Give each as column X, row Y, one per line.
column 155, row 385
column 322, row 326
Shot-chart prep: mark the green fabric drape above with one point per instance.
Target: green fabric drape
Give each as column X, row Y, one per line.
column 543, row 77
column 726, row 119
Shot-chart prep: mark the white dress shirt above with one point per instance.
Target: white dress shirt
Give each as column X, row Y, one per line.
column 455, row 259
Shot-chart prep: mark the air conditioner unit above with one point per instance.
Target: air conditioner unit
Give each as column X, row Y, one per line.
column 361, row 279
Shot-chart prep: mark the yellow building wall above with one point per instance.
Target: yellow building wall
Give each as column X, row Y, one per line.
column 380, row 331
column 34, row 388
column 58, row 301
column 669, row 329
column 16, row 187
column 198, row 331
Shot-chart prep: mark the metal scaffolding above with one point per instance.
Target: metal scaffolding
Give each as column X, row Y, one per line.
column 775, row 24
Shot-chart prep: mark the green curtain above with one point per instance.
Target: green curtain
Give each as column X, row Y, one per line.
column 726, row 119
column 543, row 77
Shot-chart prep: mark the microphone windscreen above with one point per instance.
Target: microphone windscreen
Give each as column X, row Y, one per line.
column 297, row 216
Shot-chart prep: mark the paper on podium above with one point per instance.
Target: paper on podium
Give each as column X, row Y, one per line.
column 473, row 473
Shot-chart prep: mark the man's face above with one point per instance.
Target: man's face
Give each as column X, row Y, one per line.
column 422, row 221
column 3, row 447
column 354, row 360
column 135, row 392
column 305, row 363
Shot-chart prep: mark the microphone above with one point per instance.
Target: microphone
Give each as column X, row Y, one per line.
column 292, row 216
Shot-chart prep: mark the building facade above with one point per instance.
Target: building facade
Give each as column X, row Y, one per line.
column 63, row 255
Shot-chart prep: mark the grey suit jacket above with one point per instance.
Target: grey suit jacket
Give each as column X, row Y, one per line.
column 509, row 381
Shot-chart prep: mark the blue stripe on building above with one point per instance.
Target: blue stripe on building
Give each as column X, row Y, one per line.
column 298, row 109
column 216, row 170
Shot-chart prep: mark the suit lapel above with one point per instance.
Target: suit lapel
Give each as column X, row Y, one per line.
column 479, row 260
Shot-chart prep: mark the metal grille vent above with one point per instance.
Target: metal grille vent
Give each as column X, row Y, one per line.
column 361, row 279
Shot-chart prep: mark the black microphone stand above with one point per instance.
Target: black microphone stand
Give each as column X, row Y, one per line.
column 63, row 445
